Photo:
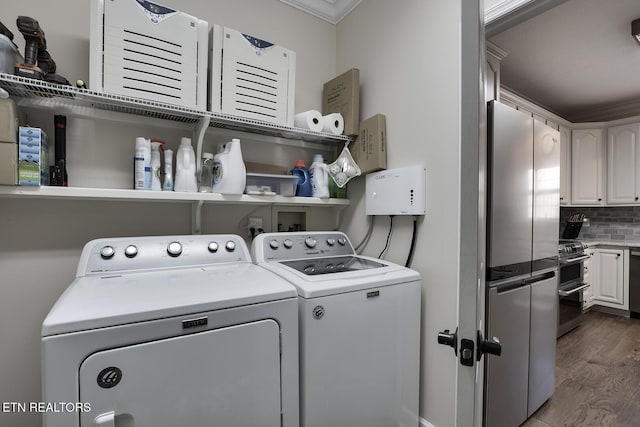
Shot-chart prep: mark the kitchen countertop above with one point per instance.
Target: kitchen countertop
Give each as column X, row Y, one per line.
column 618, row 243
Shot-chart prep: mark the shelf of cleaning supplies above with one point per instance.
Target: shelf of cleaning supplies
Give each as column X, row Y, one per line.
column 79, row 193
column 41, row 94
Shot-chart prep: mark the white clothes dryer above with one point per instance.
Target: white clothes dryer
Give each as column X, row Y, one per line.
column 172, row 331
column 359, row 330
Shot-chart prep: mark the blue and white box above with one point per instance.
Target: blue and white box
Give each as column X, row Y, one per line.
column 33, row 156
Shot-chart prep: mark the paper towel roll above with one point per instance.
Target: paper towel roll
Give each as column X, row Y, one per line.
column 311, row 120
column 333, row 123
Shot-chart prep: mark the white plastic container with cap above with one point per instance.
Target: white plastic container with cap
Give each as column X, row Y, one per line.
column 319, row 173
column 229, row 172
column 206, row 173
column 156, row 182
column 186, row 179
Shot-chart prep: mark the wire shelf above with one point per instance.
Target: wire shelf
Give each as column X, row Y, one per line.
column 42, row 94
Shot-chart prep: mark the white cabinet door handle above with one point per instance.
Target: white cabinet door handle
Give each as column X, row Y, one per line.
column 107, row 419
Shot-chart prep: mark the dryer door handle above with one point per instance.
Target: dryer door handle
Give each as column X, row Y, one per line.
column 107, row 419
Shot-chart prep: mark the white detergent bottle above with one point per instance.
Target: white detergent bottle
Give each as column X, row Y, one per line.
column 167, row 184
column 156, row 182
column 186, row 179
column 319, row 173
column 229, row 173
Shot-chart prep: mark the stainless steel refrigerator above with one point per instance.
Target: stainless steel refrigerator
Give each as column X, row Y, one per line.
column 522, row 261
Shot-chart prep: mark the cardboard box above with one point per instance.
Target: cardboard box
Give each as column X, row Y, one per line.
column 8, row 121
column 342, row 95
column 33, row 157
column 370, row 148
column 8, row 163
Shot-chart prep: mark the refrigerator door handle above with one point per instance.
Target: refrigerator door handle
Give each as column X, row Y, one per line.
column 508, row 287
column 541, row 277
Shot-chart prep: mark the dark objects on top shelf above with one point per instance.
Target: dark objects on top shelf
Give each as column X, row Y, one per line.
column 38, row 63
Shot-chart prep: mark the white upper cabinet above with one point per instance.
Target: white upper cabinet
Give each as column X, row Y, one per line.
column 623, row 164
column 565, row 166
column 587, row 167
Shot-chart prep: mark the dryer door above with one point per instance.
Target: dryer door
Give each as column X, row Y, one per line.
column 225, row 377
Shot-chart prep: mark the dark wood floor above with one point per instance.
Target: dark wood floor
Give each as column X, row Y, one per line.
column 597, row 375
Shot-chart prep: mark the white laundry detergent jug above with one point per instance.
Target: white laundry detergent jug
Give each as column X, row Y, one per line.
column 229, row 173
column 185, row 179
column 319, row 173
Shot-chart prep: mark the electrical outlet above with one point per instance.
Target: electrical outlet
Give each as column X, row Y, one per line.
column 255, row 222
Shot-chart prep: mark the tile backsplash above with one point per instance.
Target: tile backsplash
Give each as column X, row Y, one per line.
column 607, row 223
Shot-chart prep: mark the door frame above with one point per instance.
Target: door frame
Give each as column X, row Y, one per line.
column 471, row 298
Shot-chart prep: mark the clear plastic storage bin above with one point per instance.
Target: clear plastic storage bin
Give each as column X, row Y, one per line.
column 271, row 185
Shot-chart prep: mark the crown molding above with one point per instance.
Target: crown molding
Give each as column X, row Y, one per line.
column 495, row 50
column 330, row 10
column 508, row 13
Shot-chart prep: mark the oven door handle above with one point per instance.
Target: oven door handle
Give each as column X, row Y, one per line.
column 574, row 260
column 564, row 293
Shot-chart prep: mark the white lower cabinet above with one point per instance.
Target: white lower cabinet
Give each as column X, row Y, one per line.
column 590, row 275
column 611, row 285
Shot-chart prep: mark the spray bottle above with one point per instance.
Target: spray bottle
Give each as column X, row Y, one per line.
column 167, row 185
column 156, row 182
column 142, row 164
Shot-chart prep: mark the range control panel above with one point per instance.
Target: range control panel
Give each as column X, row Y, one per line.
column 145, row 253
column 301, row 245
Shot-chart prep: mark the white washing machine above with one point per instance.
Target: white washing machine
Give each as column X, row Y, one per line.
column 172, row 331
column 359, row 330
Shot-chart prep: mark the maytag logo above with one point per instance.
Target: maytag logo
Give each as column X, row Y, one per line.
column 194, row 323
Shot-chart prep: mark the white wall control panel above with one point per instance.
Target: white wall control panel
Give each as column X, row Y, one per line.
column 401, row 191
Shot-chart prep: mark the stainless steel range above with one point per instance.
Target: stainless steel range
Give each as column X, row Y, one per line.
column 571, row 257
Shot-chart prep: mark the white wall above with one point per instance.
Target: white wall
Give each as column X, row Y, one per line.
column 42, row 239
column 408, row 54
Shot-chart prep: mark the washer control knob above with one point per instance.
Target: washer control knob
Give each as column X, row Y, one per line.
column 330, row 267
column 274, row 244
column 213, row 247
column 174, row 249
column 230, row 246
column 342, row 241
column 310, row 242
column 131, row 251
column 331, row 241
column 310, row 269
column 288, row 243
column 107, row 252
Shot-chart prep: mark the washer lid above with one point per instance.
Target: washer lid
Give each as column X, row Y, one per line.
column 322, row 276
column 99, row 301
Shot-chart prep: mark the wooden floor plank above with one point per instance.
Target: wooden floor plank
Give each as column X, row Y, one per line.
column 597, row 375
